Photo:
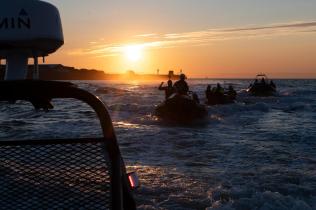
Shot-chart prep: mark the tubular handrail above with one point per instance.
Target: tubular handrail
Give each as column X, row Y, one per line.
column 29, row 90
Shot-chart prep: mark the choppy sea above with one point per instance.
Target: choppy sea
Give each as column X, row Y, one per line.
column 259, row 153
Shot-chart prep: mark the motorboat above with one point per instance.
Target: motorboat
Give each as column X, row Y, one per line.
column 181, row 109
column 220, row 98
column 262, row 86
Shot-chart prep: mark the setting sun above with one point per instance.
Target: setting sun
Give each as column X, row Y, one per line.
column 133, row 52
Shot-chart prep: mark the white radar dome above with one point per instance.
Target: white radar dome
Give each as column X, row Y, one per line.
column 28, row 29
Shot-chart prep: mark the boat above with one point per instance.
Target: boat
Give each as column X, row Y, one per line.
column 219, row 95
column 66, row 173
column 181, row 109
column 227, row 97
column 262, row 86
column 220, row 99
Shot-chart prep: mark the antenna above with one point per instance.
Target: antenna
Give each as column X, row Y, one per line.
column 28, row 30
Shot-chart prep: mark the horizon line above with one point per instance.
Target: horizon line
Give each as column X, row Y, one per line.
column 204, row 77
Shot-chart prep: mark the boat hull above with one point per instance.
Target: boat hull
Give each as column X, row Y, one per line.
column 182, row 109
column 262, row 90
column 221, row 99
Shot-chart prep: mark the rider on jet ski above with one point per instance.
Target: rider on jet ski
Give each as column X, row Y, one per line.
column 181, row 86
column 169, row 90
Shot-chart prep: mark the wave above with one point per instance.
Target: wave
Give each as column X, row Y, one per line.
column 237, row 199
column 258, row 153
column 132, row 108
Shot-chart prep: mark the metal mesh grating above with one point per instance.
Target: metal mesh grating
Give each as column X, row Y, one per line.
column 55, row 176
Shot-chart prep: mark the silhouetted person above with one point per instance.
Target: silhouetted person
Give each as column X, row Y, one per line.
column 256, row 82
column 253, row 84
column 168, row 89
column 263, row 81
column 196, row 98
column 181, row 86
column 231, row 92
column 272, row 84
column 219, row 89
column 208, row 92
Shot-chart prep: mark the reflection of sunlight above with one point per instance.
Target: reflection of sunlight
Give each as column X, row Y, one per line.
column 169, row 181
column 134, row 84
column 146, row 172
column 216, row 117
column 152, row 117
column 122, row 124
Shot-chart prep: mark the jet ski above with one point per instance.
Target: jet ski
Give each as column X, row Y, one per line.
column 181, row 108
column 262, row 86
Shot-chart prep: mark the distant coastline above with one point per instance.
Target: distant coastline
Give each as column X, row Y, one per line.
column 61, row 72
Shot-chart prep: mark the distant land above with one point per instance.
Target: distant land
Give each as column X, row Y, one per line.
column 61, row 72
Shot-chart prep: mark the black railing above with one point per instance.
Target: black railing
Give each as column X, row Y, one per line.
column 68, row 173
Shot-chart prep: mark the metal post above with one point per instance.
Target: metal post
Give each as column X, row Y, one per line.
column 16, row 66
column 35, row 70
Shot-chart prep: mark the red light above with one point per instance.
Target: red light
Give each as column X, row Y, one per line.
column 133, row 180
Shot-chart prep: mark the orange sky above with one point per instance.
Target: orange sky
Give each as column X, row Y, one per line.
column 280, row 47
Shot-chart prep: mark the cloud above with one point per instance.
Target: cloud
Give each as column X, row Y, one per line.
column 236, row 33
column 199, row 38
column 277, row 26
column 73, row 52
column 146, row 35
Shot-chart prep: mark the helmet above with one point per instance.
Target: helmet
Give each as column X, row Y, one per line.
column 182, row 76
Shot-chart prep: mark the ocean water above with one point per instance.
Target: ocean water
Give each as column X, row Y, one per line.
column 259, row 153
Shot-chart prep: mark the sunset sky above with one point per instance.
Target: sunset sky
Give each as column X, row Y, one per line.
column 205, row 38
